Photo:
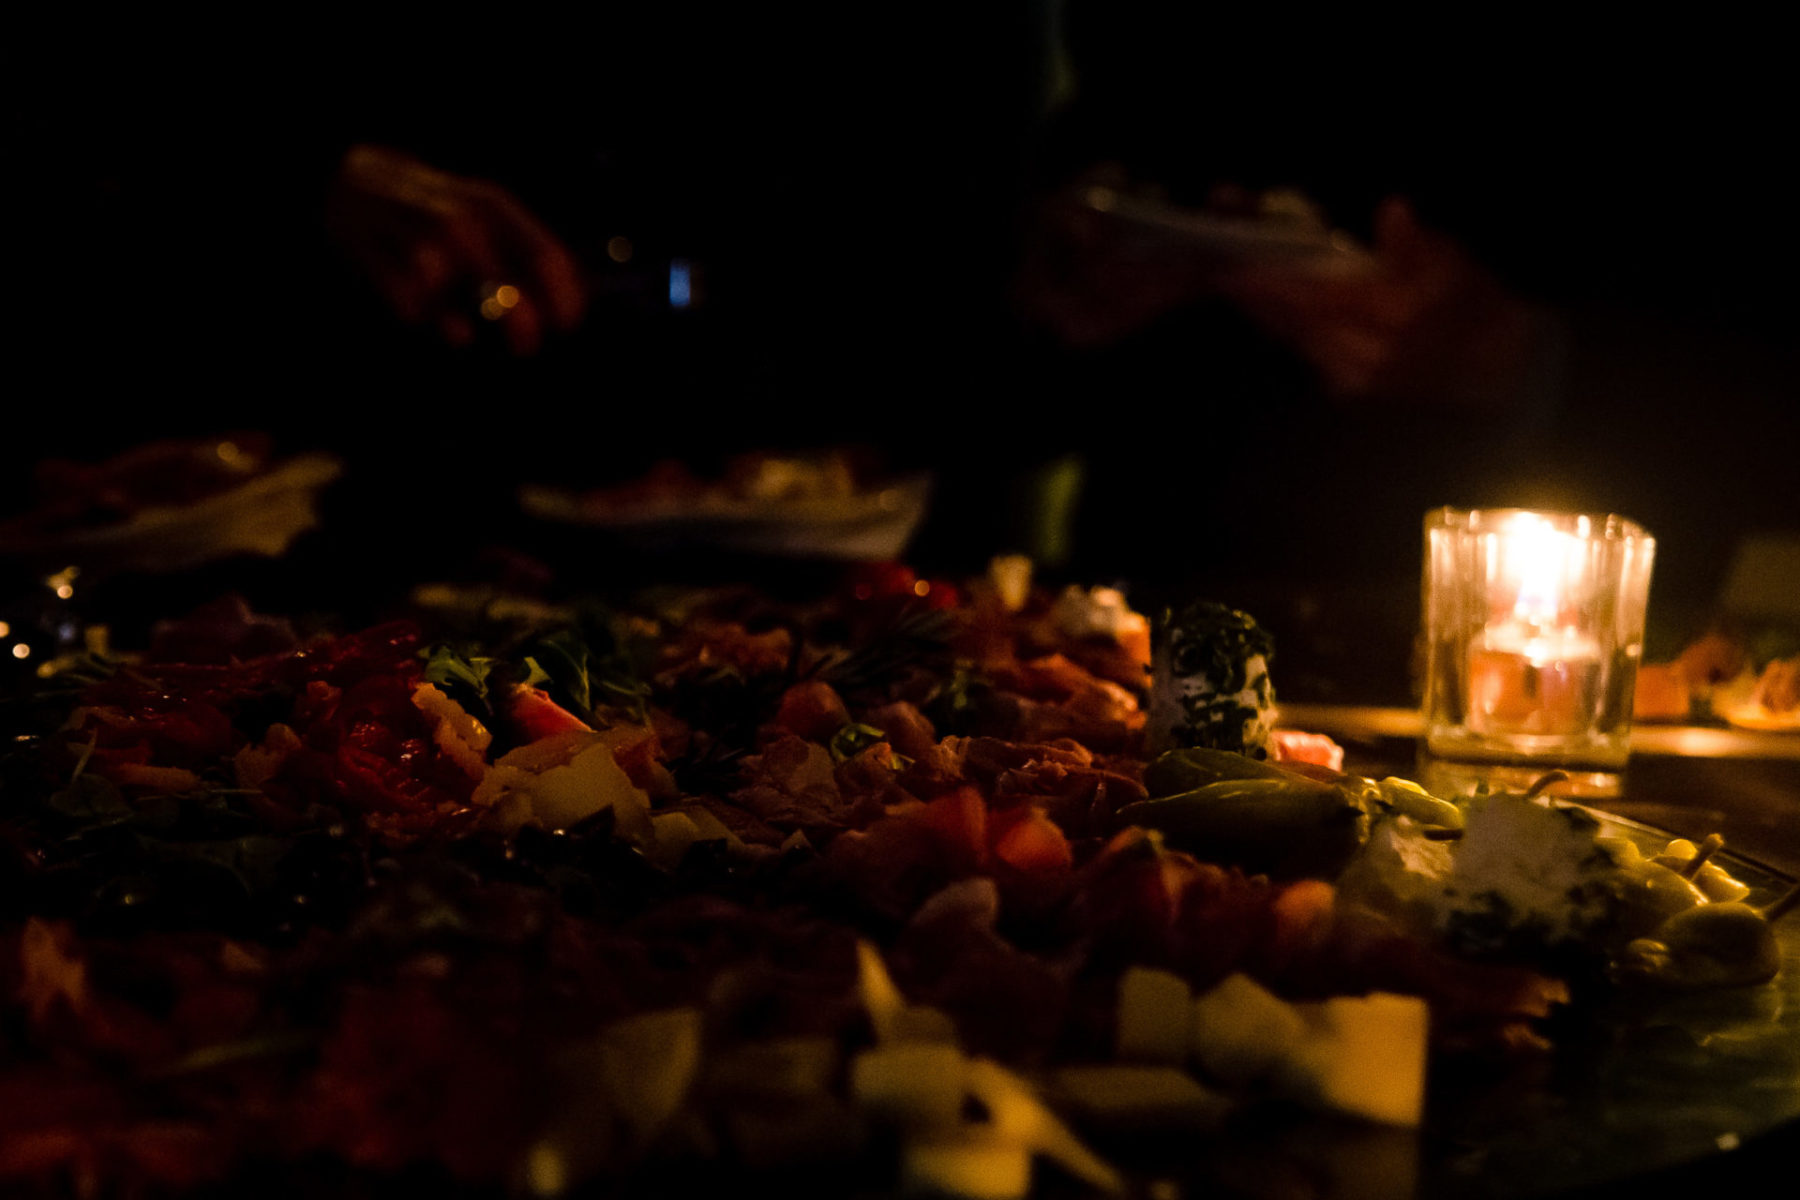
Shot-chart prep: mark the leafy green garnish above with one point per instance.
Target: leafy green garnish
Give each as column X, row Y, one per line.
column 77, row 670
column 853, row 739
column 917, row 638
column 91, row 802
column 225, row 1054
column 588, row 665
column 464, row 677
column 562, row 660
column 582, row 665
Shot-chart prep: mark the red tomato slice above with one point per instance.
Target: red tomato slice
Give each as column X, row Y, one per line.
column 534, row 715
column 1031, row 841
column 960, row 820
column 812, row 709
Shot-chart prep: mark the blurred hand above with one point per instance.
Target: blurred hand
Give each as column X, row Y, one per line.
column 1415, row 321
column 1421, row 321
column 1091, row 283
column 446, row 251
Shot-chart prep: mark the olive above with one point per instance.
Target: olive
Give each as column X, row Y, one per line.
column 1719, row 945
column 1650, row 894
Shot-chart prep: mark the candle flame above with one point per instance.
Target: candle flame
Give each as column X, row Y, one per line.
column 1539, row 556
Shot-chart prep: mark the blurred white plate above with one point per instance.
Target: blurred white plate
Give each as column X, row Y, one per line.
column 261, row 516
column 874, row 524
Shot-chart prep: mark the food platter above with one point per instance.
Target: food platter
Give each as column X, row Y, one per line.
column 290, row 917
column 1649, row 1086
column 1639, row 1095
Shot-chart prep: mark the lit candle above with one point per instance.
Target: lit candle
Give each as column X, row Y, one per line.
column 1532, row 670
column 1534, row 623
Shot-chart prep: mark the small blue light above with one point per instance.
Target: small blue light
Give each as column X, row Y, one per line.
column 681, row 283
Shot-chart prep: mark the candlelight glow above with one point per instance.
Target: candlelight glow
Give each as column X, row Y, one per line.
column 1534, row 622
column 1542, row 557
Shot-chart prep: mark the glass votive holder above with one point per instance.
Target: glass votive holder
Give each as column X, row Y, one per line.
column 1533, row 630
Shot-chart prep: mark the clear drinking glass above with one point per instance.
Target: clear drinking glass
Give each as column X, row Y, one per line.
column 1533, row 629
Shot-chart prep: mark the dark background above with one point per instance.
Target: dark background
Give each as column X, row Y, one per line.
column 857, row 190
